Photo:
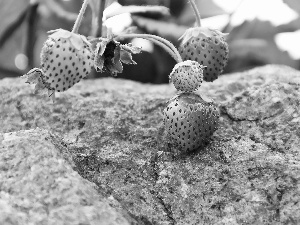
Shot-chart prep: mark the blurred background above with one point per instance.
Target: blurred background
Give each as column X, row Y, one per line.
column 260, row 32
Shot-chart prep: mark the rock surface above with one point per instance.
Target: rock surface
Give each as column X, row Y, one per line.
column 110, row 132
column 39, row 187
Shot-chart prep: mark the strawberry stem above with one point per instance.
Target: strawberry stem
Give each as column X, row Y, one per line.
column 80, row 16
column 165, row 48
column 100, row 17
column 197, row 13
column 165, row 44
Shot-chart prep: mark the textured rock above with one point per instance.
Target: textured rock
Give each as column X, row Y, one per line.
column 111, row 130
column 38, row 186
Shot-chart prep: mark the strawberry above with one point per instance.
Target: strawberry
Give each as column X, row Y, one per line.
column 66, row 58
column 189, row 120
column 206, row 46
column 187, row 76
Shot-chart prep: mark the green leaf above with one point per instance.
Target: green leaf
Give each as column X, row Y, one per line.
column 132, row 49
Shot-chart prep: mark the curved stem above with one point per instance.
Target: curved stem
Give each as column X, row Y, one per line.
column 197, row 13
column 164, row 47
column 168, row 46
column 80, row 16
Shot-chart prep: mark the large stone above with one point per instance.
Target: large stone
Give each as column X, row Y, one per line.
column 248, row 173
column 38, row 186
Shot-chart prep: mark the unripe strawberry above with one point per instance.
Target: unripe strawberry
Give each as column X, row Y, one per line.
column 187, row 76
column 190, row 121
column 66, row 58
column 206, row 46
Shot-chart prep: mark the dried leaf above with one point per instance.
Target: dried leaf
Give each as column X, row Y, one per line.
column 116, row 68
column 40, row 88
column 98, row 63
column 116, row 57
column 101, row 46
column 132, row 49
column 126, row 58
column 34, row 76
column 110, row 54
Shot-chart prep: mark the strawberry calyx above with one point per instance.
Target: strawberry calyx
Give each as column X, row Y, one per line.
column 189, row 100
column 194, row 102
column 36, row 76
column 76, row 40
column 203, row 32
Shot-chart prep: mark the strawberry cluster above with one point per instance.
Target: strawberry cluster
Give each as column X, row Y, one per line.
column 188, row 119
column 67, row 58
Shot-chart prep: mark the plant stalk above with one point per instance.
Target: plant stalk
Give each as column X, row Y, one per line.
column 80, row 16
column 168, row 46
column 164, row 47
column 100, row 17
column 33, row 18
column 197, row 13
